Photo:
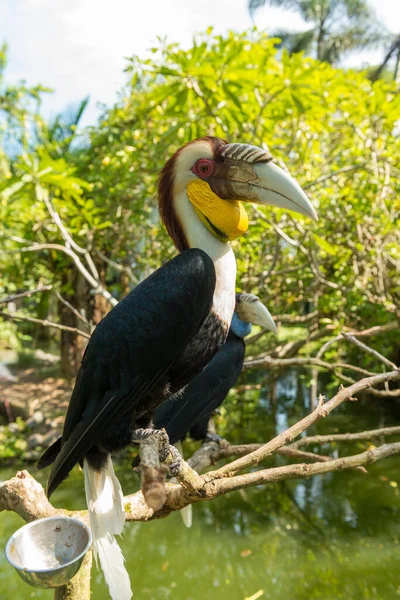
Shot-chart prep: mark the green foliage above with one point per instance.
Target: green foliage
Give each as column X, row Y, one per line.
column 333, row 128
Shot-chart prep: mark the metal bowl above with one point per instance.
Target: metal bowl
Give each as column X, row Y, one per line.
column 48, row 552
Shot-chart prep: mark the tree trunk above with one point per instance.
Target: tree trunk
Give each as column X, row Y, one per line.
column 320, row 41
column 396, row 66
column 125, row 284
column 76, row 292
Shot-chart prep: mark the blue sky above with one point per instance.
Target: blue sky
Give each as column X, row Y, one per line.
column 78, row 46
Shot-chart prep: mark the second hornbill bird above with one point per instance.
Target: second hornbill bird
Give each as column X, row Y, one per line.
column 164, row 332
column 191, row 409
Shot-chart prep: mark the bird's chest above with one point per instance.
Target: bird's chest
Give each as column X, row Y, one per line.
column 198, row 353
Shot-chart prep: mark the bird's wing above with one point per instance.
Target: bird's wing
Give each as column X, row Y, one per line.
column 203, row 394
column 131, row 349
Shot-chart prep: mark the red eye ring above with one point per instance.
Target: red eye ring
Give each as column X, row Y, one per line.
column 203, row 168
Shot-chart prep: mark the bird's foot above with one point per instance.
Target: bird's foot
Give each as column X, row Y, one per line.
column 152, row 438
column 154, row 447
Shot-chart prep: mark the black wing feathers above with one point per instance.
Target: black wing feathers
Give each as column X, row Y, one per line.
column 131, row 349
column 50, row 455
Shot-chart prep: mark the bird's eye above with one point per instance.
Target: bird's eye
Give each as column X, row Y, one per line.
column 203, row 168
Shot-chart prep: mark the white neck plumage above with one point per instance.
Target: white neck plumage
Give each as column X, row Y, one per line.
column 221, row 253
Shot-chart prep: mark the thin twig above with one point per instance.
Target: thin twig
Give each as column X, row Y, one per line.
column 279, row 363
column 45, row 323
column 296, row 318
column 369, row 350
column 28, row 294
column 74, row 310
column 323, row 178
column 345, row 437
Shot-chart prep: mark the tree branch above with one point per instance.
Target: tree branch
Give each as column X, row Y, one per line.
column 25, row 496
column 210, row 452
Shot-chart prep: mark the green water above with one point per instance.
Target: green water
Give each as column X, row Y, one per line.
column 331, row 537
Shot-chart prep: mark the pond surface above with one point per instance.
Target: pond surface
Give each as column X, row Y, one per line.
column 331, row 537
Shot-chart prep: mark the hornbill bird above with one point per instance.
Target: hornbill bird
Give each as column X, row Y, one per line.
column 164, row 332
column 191, row 409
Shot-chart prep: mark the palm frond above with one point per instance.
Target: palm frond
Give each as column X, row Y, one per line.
column 62, row 128
column 336, row 26
column 295, row 41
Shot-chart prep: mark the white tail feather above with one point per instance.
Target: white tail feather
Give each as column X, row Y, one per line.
column 186, row 512
column 187, row 515
column 107, row 519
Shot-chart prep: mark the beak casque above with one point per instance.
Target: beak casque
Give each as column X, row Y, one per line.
column 247, row 173
column 250, row 309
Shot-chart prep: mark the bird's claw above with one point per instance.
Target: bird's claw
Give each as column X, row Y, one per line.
column 176, row 465
column 156, row 437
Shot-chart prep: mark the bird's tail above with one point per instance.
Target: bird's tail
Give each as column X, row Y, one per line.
column 186, row 512
column 107, row 518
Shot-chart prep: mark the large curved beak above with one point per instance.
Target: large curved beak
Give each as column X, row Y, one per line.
column 247, row 173
column 250, row 309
